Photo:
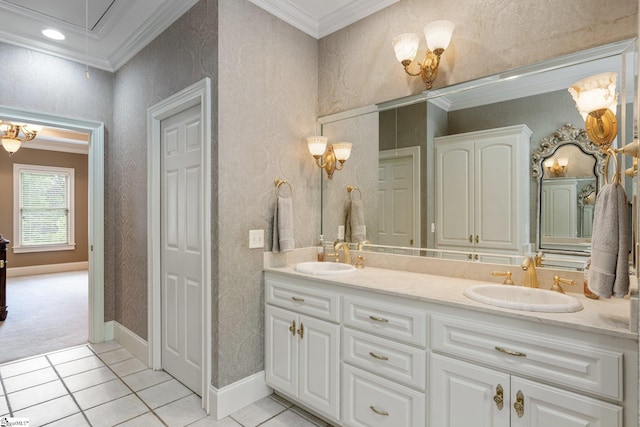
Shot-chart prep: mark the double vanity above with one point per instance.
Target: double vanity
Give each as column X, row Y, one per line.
column 403, row 345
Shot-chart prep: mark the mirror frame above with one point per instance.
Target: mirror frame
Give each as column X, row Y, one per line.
column 568, row 134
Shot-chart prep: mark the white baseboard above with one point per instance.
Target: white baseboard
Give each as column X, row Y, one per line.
column 46, row 269
column 127, row 339
column 231, row 398
column 108, row 330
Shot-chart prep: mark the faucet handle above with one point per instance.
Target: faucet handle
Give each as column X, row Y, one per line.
column 507, row 274
column 335, row 255
column 556, row 283
column 360, row 262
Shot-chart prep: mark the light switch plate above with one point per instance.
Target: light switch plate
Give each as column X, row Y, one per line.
column 341, row 232
column 256, row 239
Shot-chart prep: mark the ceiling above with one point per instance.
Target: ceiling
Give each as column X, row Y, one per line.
column 118, row 29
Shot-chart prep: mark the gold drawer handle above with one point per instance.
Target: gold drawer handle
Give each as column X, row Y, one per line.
column 296, row 299
column 379, row 319
column 378, row 411
column 376, row 356
column 519, row 405
column 301, row 331
column 499, row 397
column 510, row 352
column 292, row 328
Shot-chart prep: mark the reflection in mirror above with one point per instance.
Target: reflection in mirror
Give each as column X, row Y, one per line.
column 534, row 96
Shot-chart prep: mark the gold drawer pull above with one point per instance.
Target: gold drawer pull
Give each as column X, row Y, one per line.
column 292, row 328
column 379, row 319
column 499, row 397
column 519, row 405
column 510, row 352
column 376, row 356
column 301, row 331
column 296, row 299
column 378, row 411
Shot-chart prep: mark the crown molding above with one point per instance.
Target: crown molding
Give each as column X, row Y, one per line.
column 291, row 14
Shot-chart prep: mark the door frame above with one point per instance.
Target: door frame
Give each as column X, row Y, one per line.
column 197, row 94
column 414, row 153
column 95, row 130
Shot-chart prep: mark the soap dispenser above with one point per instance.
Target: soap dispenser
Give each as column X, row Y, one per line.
column 320, row 249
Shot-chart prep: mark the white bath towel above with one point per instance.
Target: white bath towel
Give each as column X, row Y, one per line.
column 283, row 225
column 609, row 271
column 354, row 229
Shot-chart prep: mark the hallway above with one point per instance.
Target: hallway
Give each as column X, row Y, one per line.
column 104, row 385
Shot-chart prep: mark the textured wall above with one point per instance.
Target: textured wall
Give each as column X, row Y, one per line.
column 80, row 165
column 267, row 98
column 43, row 83
column 182, row 55
column 358, row 66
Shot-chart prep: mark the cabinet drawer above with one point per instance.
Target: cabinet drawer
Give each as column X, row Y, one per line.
column 301, row 299
column 390, row 359
column 371, row 401
column 394, row 321
column 577, row 364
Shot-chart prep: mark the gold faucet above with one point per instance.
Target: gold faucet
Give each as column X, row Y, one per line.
column 345, row 247
column 361, row 244
column 530, row 277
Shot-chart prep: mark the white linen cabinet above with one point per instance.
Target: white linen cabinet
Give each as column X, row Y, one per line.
column 482, row 191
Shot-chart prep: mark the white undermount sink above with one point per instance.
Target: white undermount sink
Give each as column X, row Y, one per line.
column 323, row 268
column 522, row 298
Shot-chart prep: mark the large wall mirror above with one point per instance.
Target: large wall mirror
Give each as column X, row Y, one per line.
column 393, row 160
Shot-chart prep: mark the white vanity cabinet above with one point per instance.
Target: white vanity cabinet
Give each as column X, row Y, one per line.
column 302, row 352
column 482, row 190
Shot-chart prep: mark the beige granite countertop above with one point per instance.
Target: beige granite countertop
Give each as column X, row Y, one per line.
column 605, row 316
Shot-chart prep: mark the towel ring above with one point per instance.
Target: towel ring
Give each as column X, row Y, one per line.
column 616, row 173
column 278, row 182
column 351, row 189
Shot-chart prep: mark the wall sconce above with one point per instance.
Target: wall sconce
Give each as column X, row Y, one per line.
column 438, row 35
column 10, row 135
column 557, row 166
column 330, row 158
column 596, row 100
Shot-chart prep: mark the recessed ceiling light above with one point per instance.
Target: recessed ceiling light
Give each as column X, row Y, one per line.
column 53, row 34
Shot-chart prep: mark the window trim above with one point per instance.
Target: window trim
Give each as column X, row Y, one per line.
column 18, row 169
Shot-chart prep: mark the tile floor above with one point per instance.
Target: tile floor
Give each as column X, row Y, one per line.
column 105, row 385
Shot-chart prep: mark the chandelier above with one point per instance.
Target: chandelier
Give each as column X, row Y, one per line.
column 13, row 135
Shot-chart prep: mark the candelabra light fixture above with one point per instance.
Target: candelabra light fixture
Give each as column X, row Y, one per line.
column 329, row 157
column 13, row 135
column 557, row 166
column 438, row 35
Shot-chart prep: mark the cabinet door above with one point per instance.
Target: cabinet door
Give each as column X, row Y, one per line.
column 454, row 194
column 281, row 349
column 462, row 395
column 544, row 406
column 319, row 358
column 496, row 185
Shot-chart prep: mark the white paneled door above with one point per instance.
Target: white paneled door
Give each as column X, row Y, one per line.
column 182, row 245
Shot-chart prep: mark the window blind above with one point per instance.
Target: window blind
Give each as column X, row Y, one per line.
column 44, row 208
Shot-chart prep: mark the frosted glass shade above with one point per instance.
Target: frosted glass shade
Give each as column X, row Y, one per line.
column 406, row 46
column 595, row 93
column 317, row 145
column 11, row 145
column 563, row 161
column 438, row 34
column 342, row 150
column 548, row 163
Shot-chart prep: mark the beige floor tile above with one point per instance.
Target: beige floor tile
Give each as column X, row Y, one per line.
column 258, row 412
column 4, row 408
column 128, row 367
column 146, row 420
column 144, row 379
column 116, row 411
column 310, row 417
column 115, row 356
column 23, row 366
column 182, row 412
column 30, row 379
column 78, row 366
column 69, row 355
column 50, row 411
column 35, row 395
column 211, row 422
column 288, row 419
column 164, row 393
column 281, row 400
column 77, row 420
column 89, row 379
column 101, row 393
column 102, row 347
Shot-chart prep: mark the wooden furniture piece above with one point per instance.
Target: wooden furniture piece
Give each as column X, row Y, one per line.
column 3, row 277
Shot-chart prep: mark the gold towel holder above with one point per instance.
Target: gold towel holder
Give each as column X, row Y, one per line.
column 351, row 189
column 278, row 182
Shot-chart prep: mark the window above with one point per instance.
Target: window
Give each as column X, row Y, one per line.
column 43, row 208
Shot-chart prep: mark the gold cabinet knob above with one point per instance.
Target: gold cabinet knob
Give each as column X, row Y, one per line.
column 519, row 405
column 292, row 328
column 499, row 397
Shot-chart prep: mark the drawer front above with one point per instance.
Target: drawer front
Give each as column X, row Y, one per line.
column 580, row 365
column 301, row 299
column 390, row 359
column 393, row 321
column 371, row 401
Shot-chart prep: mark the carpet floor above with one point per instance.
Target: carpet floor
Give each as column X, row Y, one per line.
column 46, row 312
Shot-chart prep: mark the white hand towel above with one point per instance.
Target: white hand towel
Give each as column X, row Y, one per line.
column 609, row 271
column 283, row 225
column 356, row 220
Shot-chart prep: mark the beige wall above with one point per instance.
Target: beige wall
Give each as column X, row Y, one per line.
column 46, row 158
column 358, row 66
